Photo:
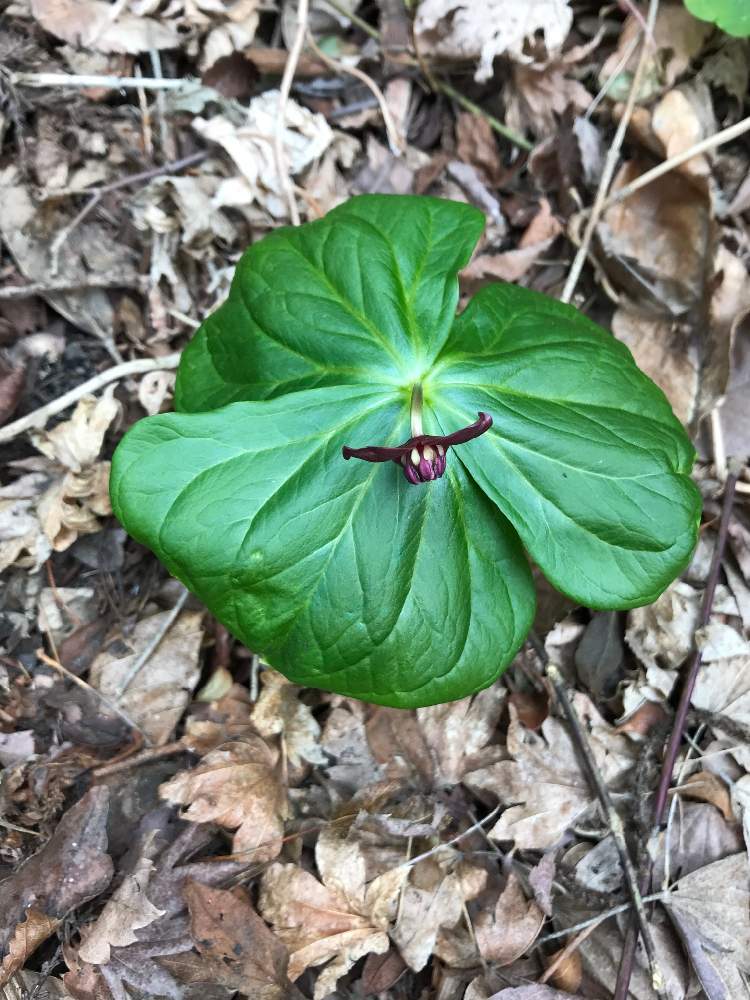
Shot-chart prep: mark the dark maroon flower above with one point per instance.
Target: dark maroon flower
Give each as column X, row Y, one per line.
column 423, row 456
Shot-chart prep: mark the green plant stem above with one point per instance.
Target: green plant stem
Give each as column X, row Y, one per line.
column 494, row 123
column 416, row 410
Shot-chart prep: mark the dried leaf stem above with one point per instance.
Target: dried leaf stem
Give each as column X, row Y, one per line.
column 627, row 960
column 613, row 156
column 612, row 817
column 38, row 418
column 282, row 167
column 147, row 652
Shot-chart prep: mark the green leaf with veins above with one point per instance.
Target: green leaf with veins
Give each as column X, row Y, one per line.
column 345, row 576
column 341, row 575
column 364, row 295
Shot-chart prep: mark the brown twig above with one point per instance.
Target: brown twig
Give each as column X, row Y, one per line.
column 627, row 960
column 70, row 285
column 38, row 418
column 151, row 647
column 613, row 155
column 56, row 665
column 599, row 787
column 282, row 166
column 98, row 193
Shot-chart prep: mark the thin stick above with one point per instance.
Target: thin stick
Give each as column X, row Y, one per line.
column 396, row 140
column 627, row 960
column 282, row 167
column 56, row 665
column 142, row 175
column 38, row 418
column 98, row 193
column 599, row 918
column 712, row 142
column 449, row 843
column 67, row 285
column 610, row 163
column 495, row 124
column 597, row 784
column 148, row 651
column 144, row 757
column 93, row 80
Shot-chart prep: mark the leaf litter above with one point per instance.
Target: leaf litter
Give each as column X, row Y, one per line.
column 178, row 820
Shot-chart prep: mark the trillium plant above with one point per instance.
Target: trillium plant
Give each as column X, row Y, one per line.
column 356, row 478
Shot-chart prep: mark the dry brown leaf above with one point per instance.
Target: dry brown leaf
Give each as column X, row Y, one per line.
column 706, row 787
column 336, row 921
column 476, row 144
column 127, row 910
column 677, row 38
column 71, row 868
column 483, row 31
column 656, row 242
column 33, row 930
column 238, row 787
column 239, row 950
column 543, row 783
column 665, row 353
column 458, row 734
column 723, row 688
column 539, row 93
column 279, row 711
column 433, row 902
column 345, row 739
column 506, row 933
column 569, row 972
column 160, row 691
column 227, row 718
column 697, row 836
column 661, row 634
column 726, row 365
column 20, row 530
column 184, row 205
column 511, row 265
column 682, row 118
column 306, row 136
column 711, row 909
column 94, row 24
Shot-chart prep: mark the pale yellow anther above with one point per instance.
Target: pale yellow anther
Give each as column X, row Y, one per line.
column 428, row 453
column 414, row 457
column 441, row 450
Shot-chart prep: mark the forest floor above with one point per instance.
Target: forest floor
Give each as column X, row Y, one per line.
column 213, row 830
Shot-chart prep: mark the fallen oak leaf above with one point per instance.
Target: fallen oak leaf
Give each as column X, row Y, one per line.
column 543, row 784
column 336, row 921
column 238, row 948
column 236, row 786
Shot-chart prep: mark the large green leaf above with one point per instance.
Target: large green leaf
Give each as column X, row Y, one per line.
column 732, row 16
column 367, row 294
column 341, row 575
column 585, row 456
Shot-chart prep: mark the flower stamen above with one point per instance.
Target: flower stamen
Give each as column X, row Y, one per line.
column 423, row 457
